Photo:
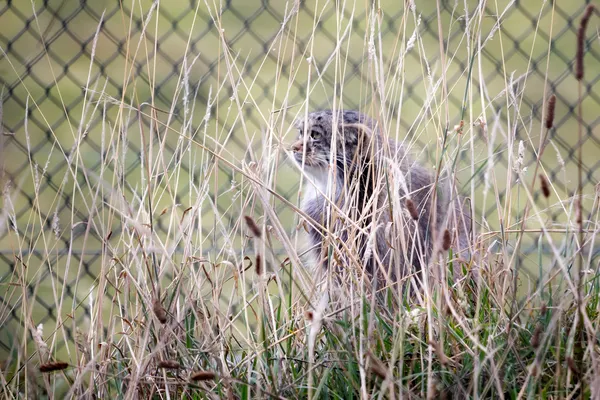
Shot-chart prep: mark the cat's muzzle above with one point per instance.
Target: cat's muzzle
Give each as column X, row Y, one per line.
column 298, row 149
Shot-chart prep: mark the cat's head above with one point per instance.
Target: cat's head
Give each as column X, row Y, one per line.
column 315, row 139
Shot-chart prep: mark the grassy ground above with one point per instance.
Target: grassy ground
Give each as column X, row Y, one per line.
column 161, row 288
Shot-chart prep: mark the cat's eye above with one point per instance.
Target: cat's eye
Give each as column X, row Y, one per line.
column 315, row 135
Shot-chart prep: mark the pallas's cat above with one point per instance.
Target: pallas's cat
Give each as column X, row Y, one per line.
column 369, row 202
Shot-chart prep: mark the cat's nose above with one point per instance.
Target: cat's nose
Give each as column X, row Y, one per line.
column 297, row 147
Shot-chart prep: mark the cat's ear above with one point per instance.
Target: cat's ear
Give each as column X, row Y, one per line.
column 299, row 125
column 363, row 136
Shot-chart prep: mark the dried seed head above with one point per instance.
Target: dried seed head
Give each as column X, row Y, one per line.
column 377, row 370
column 440, row 352
column 56, row 225
column 252, row 226
column 305, row 226
column 309, row 315
column 519, row 160
column 38, row 338
column 543, row 309
column 459, row 128
column 535, row 339
column 578, row 212
column 168, row 364
column 572, row 366
column 203, row 376
column 377, row 367
column 550, row 112
column 544, row 186
column 587, row 14
column 53, row 366
column 159, row 311
column 447, row 240
column 412, row 209
column 534, row 370
column 581, row 41
column 258, row 265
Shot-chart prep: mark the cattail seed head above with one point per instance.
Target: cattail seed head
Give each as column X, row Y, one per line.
column 550, row 112
column 252, row 226
column 159, row 311
column 544, row 186
column 258, row 265
column 447, row 240
column 412, row 209
column 535, row 339
column 377, row 367
column 168, row 364
column 572, row 366
column 439, row 352
column 203, row 376
column 535, row 370
column 578, row 212
column 53, row 366
column 581, row 41
column 377, row 370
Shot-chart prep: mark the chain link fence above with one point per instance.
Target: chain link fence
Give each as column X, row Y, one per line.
column 50, row 62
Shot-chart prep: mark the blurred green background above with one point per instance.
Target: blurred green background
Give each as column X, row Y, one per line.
column 46, row 62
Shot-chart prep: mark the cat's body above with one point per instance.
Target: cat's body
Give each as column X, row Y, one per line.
column 368, row 227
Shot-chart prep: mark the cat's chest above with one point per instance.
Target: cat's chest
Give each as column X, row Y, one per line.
column 314, row 191
column 313, row 200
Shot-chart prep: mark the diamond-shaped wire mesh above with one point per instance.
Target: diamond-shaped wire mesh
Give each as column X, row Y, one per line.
column 45, row 64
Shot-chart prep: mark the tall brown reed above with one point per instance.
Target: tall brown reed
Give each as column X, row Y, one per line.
column 579, row 75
